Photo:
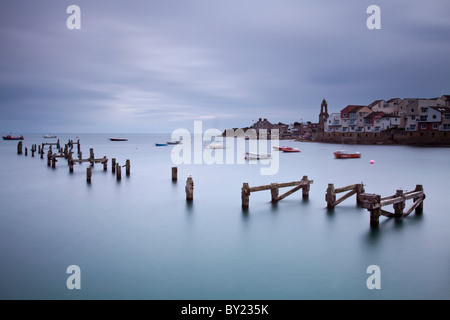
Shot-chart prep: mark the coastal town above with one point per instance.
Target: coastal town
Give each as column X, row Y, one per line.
column 393, row 121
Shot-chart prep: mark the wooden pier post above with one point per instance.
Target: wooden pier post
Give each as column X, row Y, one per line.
column 118, row 172
column 58, row 146
column 78, row 147
column 19, row 147
column 399, row 206
column 419, row 208
column 245, row 195
column 54, row 160
column 70, row 162
column 274, row 191
column 91, row 156
column 127, row 167
column 113, row 165
column 189, row 189
column 174, row 173
column 359, row 190
column 105, row 163
column 305, row 188
column 26, row 151
column 49, row 157
column 33, row 150
column 375, row 217
column 330, row 196
column 88, row 174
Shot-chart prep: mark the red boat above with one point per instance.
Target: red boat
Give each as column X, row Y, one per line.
column 9, row 137
column 342, row 154
column 286, row 149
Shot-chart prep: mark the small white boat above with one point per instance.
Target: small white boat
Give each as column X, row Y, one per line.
column 216, row 145
column 118, row 139
column 48, row 135
column 257, row 156
column 174, row 142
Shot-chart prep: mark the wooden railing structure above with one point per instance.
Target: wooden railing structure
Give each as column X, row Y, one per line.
column 303, row 184
column 330, row 196
column 374, row 203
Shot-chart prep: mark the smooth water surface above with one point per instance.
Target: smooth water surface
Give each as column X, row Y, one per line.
column 140, row 239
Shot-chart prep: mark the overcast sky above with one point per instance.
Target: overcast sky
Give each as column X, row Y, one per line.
column 158, row 65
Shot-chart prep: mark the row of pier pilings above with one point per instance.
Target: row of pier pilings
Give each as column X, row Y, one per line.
column 67, row 154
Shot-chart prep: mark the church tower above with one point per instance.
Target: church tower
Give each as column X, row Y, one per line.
column 323, row 115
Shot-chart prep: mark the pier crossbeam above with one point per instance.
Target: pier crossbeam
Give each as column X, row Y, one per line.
column 303, row 184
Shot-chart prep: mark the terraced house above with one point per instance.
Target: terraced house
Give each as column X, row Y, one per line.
column 409, row 114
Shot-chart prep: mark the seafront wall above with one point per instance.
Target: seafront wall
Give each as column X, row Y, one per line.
column 432, row 138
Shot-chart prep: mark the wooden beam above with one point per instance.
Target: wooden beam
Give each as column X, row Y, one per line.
column 284, row 195
column 347, row 188
column 346, row 196
column 414, row 206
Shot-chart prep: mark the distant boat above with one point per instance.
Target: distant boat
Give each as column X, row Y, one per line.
column 49, row 135
column 342, row 154
column 289, row 149
column 257, row 156
column 118, row 139
column 174, row 142
column 160, row 144
column 216, row 145
column 9, row 137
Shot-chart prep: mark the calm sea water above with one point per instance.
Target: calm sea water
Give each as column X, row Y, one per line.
column 139, row 239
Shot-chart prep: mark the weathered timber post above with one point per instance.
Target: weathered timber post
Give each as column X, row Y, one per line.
column 78, row 146
column 58, row 145
column 127, row 167
column 105, row 163
column 70, row 162
column 66, row 150
column 375, row 217
column 49, row 157
column 26, row 151
column 419, row 208
column 19, row 147
column 330, row 196
column 80, row 155
column 118, row 172
column 189, row 189
column 245, row 195
column 41, row 151
column 399, row 206
column 359, row 190
column 274, row 192
column 88, row 174
column 174, row 174
column 91, row 156
column 372, row 202
column 113, row 165
column 33, row 150
column 305, row 188
column 54, row 160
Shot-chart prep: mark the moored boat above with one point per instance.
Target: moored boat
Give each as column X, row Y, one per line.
column 160, row 144
column 174, row 142
column 216, row 145
column 10, row 137
column 257, row 156
column 49, row 135
column 342, row 154
column 118, row 139
column 289, row 149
